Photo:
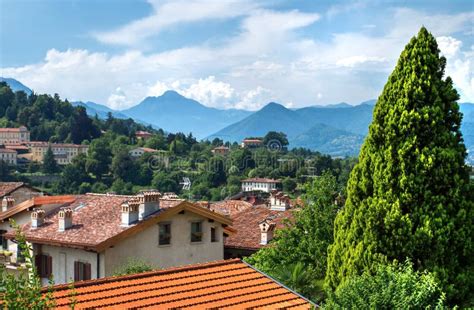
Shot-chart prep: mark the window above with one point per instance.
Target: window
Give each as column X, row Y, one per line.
column 214, row 235
column 82, row 271
column 164, row 234
column 3, row 240
column 44, row 265
column 196, row 231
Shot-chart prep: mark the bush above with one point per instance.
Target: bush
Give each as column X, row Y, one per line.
column 391, row 287
column 133, row 266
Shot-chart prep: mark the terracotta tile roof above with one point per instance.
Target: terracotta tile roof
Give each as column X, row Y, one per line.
column 2, row 150
column 261, row 180
column 16, row 146
column 47, row 144
column 246, row 224
column 12, row 129
column 35, row 202
column 222, row 284
column 97, row 222
column 230, row 207
column 8, row 187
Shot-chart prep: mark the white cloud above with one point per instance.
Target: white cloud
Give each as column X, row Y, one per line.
column 169, row 13
column 268, row 59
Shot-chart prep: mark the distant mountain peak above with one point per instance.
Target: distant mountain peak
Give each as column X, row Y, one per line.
column 273, row 106
column 172, row 94
column 16, row 85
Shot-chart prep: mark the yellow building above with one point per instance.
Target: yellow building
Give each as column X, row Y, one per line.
column 63, row 152
column 14, row 135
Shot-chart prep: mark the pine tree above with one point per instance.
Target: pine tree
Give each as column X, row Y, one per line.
column 409, row 195
column 49, row 163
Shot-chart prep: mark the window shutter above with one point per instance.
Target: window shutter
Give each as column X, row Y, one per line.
column 76, row 271
column 87, row 271
column 49, row 264
column 38, row 265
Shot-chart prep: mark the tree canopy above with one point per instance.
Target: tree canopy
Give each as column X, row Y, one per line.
column 409, row 195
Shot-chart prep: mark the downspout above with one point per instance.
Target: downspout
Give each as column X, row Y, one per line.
column 98, row 265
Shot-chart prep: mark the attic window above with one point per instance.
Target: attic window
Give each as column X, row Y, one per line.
column 165, row 234
column 214, row 237
column 196, row 231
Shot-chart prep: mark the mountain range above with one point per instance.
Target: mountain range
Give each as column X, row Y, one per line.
column 337, row 129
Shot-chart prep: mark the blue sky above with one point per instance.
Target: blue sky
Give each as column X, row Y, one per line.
column 226, row 54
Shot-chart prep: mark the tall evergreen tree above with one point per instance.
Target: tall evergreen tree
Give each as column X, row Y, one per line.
column 49, row 163
column 409, row 194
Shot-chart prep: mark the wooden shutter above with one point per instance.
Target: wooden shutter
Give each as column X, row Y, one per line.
column 87, row 271
column 76, row 271
column 49, row 266
column 38, row 265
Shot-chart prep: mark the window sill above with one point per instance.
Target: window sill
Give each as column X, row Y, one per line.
column 197, row 242
column 164, row 245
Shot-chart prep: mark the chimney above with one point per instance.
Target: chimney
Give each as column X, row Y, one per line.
column 149, row 203
column 7, row 203
column 279, row 201
column 130, row 212
column 64, row 219
column 266, row 229
column 37, row 218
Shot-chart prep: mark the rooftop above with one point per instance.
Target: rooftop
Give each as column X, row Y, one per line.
column 229, row 283
column 248, row 234
column 21, row 128
column 96, row 221
column 230, row 207
column 46, row 144
column 8, row 187
column 261, row 180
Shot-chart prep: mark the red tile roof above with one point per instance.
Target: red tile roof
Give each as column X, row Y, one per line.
column 246, row 224
column 261, row 180
column 96, row 222
column 35, row 202
column 7, row 187
column 5, row 150
column 12, row 129
column 230, row 284
column 230, row 207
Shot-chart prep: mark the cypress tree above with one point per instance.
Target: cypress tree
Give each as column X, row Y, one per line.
column 409, row 195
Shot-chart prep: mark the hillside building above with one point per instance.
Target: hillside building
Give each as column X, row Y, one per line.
column 260, row 184
column 14, row 135
column 63, row 152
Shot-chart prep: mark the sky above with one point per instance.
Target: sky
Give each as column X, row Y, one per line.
column 225, row 53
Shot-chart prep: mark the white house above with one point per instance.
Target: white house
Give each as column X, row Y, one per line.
column 260, row 184
column 96, row 234
column 279, row 201
column 7, row 155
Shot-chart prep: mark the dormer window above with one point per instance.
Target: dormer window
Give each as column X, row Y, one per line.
column 196, row 231
column 165, row 234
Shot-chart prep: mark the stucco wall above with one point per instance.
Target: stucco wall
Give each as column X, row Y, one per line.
column 63, row 262
column 144, row 245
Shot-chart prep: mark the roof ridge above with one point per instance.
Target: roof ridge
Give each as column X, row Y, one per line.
column 146, row 274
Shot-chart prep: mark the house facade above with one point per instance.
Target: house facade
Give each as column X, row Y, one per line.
column 63, row 152
column 260, row 184
column 14, row 135
column 95, row 235
column 7, row 155
column 251, row 143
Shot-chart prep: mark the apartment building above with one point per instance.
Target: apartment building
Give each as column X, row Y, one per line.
column 63, row 152
column 14, row 135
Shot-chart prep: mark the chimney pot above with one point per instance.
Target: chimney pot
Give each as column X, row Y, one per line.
column 149, row 203
column 7, row 203
column 64, row 219
column 37, row 218
column 129, row 212
column 266, row 229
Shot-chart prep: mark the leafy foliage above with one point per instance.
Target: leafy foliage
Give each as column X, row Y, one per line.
column 391, row 287
column 49, row 163
column 133, row 266
column 24, row 291
column 409, row 194
column 305, row 242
